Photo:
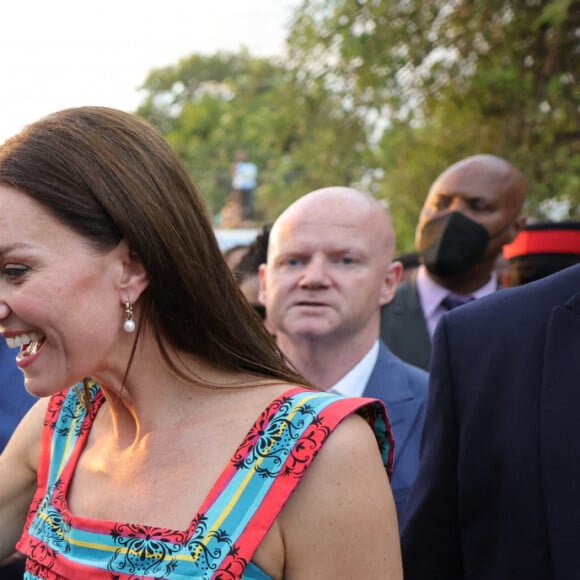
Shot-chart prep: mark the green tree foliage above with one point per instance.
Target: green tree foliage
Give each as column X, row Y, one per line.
column 199, row 105
column 440, row 80
column 384, row 95
column 297, row 133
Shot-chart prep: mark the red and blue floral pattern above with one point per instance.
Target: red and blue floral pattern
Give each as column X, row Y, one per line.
column 223, row 535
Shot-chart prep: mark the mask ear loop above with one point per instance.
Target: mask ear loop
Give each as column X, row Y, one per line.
column 501, row 231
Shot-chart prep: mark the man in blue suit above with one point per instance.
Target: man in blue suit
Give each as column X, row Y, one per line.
column 14, row 399
column 14, row 403
column 498, row 491
column 329, row 270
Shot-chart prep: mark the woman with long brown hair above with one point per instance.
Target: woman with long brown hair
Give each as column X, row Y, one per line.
column 171, row 439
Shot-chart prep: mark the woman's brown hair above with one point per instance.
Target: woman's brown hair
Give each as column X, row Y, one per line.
column 109, row 176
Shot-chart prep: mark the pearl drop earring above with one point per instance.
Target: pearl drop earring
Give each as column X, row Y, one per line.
column 129, row 324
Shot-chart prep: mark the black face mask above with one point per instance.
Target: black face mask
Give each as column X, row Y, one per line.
column 452, row 243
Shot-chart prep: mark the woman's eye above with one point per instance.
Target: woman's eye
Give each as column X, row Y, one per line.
column 13, row 272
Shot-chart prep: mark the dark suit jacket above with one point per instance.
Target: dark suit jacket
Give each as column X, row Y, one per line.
column 498, row 491
column 403, row 390
column 14, row 399
column 14, row 403
column 403, row 326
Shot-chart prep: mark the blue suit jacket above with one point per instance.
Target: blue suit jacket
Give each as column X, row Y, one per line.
column 403, row 389
column 498, row 491
column 14, row 400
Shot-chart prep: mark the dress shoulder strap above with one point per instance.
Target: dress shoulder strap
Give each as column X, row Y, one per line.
column 69, row 416
column 270, row 463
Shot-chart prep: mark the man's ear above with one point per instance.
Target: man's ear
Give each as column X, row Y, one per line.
column 262, row 289
column 391, row 282
column 517, row 227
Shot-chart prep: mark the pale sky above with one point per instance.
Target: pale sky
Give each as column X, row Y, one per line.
column 65, row 53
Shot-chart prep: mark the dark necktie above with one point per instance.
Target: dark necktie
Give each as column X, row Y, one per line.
column 450, row 302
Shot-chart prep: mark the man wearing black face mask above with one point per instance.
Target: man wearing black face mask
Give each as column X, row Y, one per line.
column 472, row 210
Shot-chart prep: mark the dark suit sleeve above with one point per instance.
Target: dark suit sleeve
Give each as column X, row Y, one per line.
column 430, row 538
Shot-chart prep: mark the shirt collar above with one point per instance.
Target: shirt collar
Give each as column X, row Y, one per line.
column 354, row 382
column 431, row 294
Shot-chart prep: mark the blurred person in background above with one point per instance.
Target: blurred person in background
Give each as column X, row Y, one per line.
column 233, row 255
column 471, row 211
column 14, row 403
column 410, row 262
column 247, row 271
column 541, row 249
column 244, row 183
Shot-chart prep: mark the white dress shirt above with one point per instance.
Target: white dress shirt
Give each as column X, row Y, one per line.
column 354, row 382
column 431, row 294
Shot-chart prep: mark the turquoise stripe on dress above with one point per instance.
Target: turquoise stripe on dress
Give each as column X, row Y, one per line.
column 265, row 469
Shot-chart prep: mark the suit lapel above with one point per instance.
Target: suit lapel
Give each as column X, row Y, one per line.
column 389, row 383
column 404, row 327
column 560, row 435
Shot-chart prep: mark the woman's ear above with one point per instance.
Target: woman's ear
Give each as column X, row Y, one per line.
column 134, row 278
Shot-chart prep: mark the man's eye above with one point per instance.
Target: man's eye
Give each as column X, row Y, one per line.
column 477, row 205
column 344, row 260
column 442, row 204
column 293, row 262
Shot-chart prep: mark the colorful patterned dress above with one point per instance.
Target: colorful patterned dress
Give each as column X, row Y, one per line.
column 232, row 521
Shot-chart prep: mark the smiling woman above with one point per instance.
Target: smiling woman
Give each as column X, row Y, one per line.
column 182, row 445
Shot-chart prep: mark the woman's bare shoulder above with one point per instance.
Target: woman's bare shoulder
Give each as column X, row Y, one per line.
column 264, row 392
column 345, row 488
